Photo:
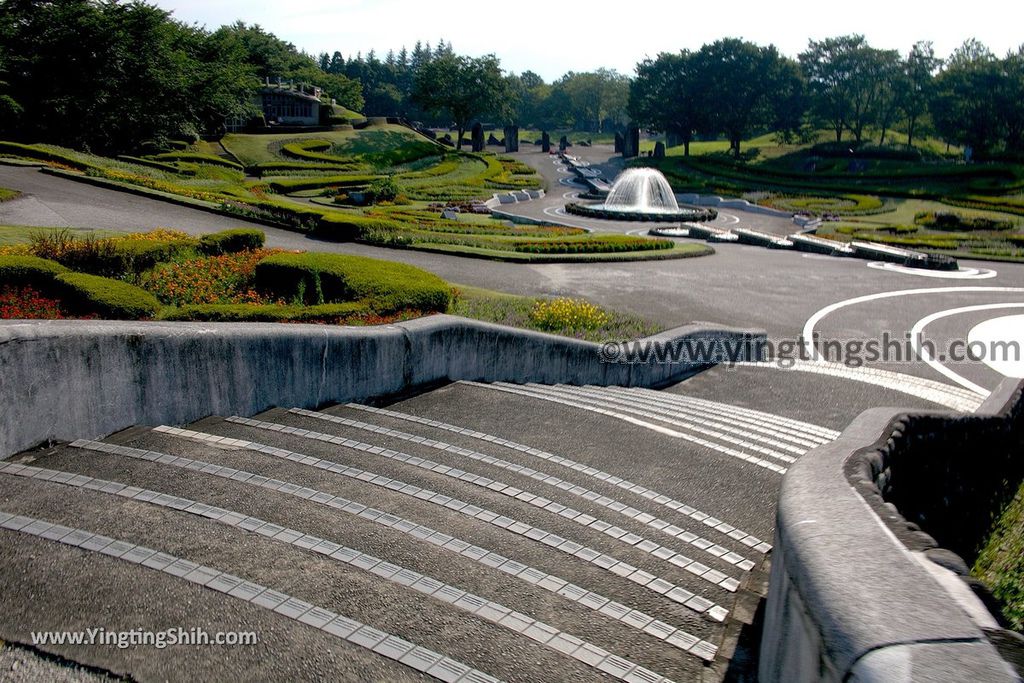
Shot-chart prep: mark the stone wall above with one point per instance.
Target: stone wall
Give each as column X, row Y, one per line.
column 64, row 380
column 849, row 599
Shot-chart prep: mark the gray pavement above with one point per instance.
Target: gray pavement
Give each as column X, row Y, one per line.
column 661, row 502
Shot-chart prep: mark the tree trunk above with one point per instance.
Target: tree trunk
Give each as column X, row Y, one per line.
column 881, row 140
column 910, row 132
column 839, row 134
column 735, row 144
column 686, row 147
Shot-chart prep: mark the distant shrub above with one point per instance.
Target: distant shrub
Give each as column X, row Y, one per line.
column 942, row 220
column 317, row 278
column 232, row 241
column 348, row 227
column 105, row 297
column 383, row 190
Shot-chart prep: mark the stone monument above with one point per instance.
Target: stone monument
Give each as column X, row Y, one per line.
column 618, row 143
column 545, row 142
column 631, row 143
column 478, row 137
column 563, row 144
column 659, row 150
column 511, row 138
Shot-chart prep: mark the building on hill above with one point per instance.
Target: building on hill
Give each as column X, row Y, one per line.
column 288, row 104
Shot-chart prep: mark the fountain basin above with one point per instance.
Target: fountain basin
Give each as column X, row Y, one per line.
column 617, row 214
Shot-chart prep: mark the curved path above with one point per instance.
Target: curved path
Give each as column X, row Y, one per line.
column 477, row 531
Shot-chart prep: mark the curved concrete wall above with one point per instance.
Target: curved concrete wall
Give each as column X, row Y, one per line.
column 78, row 379
column 847, row 601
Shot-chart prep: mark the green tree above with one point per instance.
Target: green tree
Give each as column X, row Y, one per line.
column 590, row 100
column 751, row 83
column 919, row 78
column 845, row 79
column 968, row 96
column 463, row 88
column 670, row 94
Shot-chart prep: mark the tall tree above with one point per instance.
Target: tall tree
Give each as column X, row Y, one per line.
column 919, row 77
column 752, row 80
column 669, row 94
column 463, row 88
column 966, row 104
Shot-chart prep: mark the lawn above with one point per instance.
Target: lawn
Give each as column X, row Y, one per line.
column 6, row 194
column 1000, row 563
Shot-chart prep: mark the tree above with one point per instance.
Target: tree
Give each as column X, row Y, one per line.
column 751, row 81
column 589, row 100
column 669, row 94
column 891, row 88
column 966, row 103
column 845, row 78
column 919, row 79
column 463, row 88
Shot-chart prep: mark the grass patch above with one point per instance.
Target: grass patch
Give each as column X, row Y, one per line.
column 7, row 195
column 1000, row 563
column 578, row 319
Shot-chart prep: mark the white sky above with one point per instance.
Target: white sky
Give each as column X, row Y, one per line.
column 551, row 37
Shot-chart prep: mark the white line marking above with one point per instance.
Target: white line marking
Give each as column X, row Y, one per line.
column 924, row 354
column 962, row 274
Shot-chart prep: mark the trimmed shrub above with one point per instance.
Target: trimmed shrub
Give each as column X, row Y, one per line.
column 298, row 184
column 42, row 154
column 349, row 227
column 268, row 313
column 108, row 298
column 198, row 158
column 110, row 257
column 327, row 278
column 232, row 241
column 942, row 220
column 30, row 271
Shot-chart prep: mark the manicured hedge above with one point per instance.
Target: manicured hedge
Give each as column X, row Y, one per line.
column 231, row 241
column 40, row 154
column 282, row 186
column 326, row 278
column 108, row 298
column 348, row 227
column 198, row 158
column 269, row 313
column 30, row 271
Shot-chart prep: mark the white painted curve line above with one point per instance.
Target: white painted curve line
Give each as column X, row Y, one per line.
column 917, row 331
column 548, row 479
column 1006, row 331
column 485, row 609
column 542, row 391
column 808, row 331
column 614, row 532
column 678, row 416
column 760, row 462
column 766, row 427
column 390, row 646
column 937, row 392
column 804, row 430
column 603, row 561
column 549, row 582
column 961, row 274
column 743, row 537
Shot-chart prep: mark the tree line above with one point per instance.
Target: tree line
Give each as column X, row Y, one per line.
column 111, row 76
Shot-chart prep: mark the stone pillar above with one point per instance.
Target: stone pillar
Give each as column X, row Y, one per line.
column 545, row 142
column 511, row 138
column 618, row 143
column 478, row 137
column 673, row 139
column 563, row 144
column 659, row 150
column 631, row 144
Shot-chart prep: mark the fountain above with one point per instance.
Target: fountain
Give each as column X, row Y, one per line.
column 641, row 194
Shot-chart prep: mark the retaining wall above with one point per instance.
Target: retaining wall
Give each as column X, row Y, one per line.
column 64, row 380
column 847, row 600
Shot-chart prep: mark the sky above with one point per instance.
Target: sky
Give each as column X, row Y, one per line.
column 551, row 38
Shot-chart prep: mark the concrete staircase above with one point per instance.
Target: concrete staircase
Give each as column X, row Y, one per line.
column 383, row 544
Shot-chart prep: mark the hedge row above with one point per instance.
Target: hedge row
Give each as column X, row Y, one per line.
column 159, row 165
column 198, row 158
column 316, row 278
column 284, row 186
column 82, row 293
column 270, row 313
column 40, row 154
column 231, row 241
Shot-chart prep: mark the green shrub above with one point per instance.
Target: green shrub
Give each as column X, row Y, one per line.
column 327, row 278
column 384, row 190
column 349, row 227
column 950, row 220
column 231, row 241
column 30, row 271
column 107, row 298
column 282, row 186
column 269, row 313
column 198, row 158
column 110, row 257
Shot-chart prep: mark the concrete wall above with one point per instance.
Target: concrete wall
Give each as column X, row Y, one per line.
column 849, row 602
column 64, row 380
